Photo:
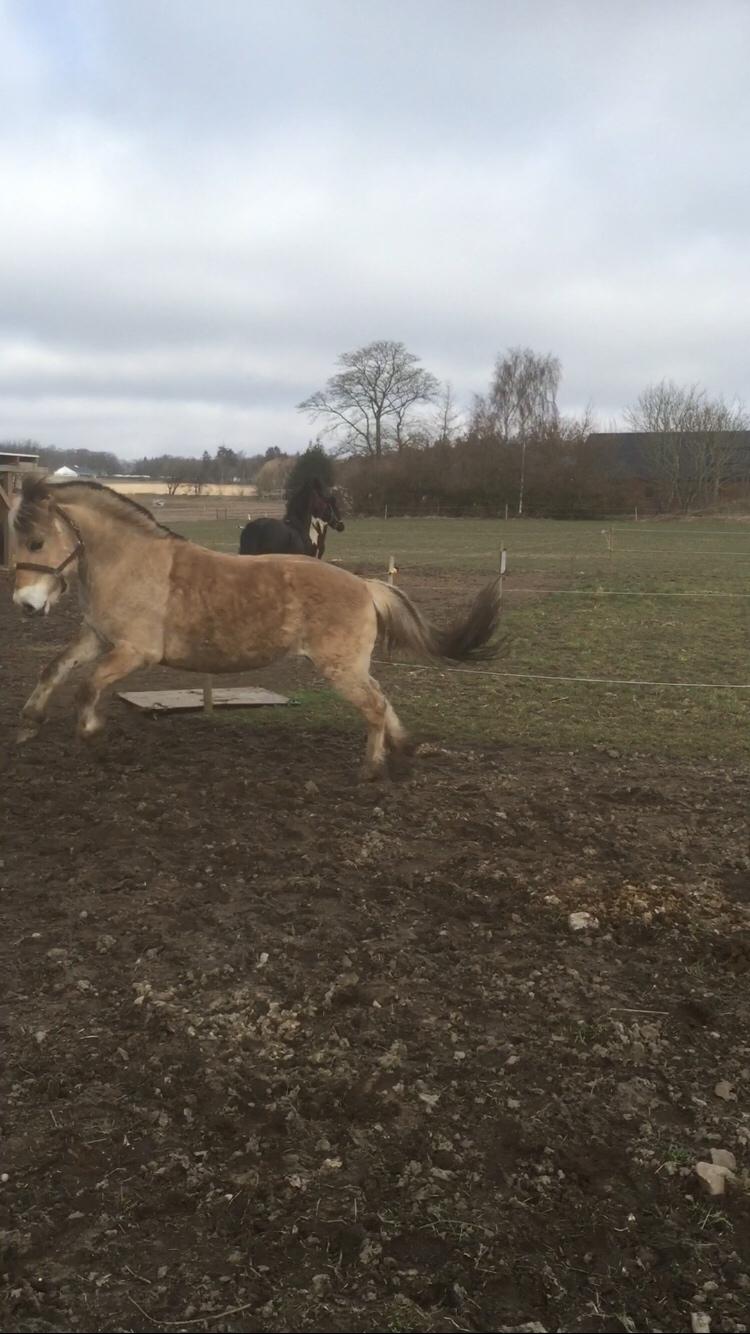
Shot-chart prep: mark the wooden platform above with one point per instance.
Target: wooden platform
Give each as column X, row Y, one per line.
column 176, row 701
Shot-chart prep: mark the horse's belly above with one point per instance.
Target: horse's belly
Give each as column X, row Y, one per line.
column 232, row 646
column 211, row 658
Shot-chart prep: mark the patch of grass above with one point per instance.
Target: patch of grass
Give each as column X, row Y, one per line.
column 679, row 556
column 713, row 1221
column 680, row 1156
column 588, row 1033
column 317, row 709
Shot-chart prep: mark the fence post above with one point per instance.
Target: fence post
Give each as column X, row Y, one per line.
column 611, row 543
column 503, row 567
column 506, row 511
column 385, row 512
column 208, row 695
column 392, row 572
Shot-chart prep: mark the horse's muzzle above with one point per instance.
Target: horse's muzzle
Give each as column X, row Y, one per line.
column 339, row 527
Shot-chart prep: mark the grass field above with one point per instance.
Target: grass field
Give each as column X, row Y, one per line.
column 669, row 603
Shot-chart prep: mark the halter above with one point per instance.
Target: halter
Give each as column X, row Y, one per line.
column 330, row 517
column 57, row 570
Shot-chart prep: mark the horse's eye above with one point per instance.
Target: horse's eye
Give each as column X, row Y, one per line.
column 36, row 545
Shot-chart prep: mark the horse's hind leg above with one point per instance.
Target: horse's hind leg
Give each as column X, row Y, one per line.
column 400, row 745
column 383, row 725
column 84, row 648
column 120, row 661
column 356, row 685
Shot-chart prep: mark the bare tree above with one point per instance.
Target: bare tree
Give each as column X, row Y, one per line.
column 720, row 446
column 370, row 400
column 521, row 403
column 666, row 412
column 272, row 477
column 446, row 422
column 695, row 444
column 573, row 430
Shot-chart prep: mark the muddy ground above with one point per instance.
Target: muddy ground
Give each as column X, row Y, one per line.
column 287, row 1052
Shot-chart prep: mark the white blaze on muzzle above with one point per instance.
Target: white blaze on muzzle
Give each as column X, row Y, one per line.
column 37, row 596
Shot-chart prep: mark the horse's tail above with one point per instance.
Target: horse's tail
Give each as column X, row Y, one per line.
column 470, row 639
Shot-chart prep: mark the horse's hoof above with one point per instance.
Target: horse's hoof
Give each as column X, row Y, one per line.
column 89, row 733
column 26, row 732
column 373, row 773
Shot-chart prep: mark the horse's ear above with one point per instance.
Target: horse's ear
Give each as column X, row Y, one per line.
column 34, row 488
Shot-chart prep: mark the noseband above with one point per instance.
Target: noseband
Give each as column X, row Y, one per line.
column 57, row 570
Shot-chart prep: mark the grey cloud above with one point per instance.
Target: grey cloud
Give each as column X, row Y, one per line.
column 204, row 204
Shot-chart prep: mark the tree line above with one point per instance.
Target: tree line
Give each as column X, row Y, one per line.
column 180, row 473
column 402, row 443
column 395, row 438
column 192, row 474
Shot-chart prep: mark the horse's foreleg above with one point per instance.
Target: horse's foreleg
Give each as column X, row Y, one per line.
column 85, row 648
column 120, row 661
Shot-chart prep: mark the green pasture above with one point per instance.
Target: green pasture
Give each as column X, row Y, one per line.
column 654, row 601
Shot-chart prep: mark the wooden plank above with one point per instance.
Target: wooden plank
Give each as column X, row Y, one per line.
column 177, row 701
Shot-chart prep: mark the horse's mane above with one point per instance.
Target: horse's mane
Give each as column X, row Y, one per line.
column 35, row 490
column 299, row 503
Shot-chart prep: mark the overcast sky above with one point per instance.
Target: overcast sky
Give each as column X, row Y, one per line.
column 204, row 202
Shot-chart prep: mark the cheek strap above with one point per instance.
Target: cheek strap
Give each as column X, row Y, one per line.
column 57, row 570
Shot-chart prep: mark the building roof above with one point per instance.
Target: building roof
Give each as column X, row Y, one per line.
column 15, row 457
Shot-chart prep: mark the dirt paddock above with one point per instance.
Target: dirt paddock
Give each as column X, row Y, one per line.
column 286, row 1052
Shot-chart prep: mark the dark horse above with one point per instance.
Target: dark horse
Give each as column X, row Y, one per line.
column 302, row 531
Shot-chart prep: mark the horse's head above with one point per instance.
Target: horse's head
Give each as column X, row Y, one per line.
column 326, row 508
column 46, row 543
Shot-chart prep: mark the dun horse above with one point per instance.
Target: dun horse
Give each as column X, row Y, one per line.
column 149, row 596
column 302, row 531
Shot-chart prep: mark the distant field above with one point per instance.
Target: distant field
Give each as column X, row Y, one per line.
column 691, row 551
column 569, row 613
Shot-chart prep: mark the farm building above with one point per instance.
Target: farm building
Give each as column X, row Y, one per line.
column 676, row 470
column 637, row 453
column 66, row 474
column 12, row 464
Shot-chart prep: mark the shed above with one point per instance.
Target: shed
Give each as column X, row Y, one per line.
column 12, row 464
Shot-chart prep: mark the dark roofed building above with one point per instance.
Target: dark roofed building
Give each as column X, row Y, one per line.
column 636, row 454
